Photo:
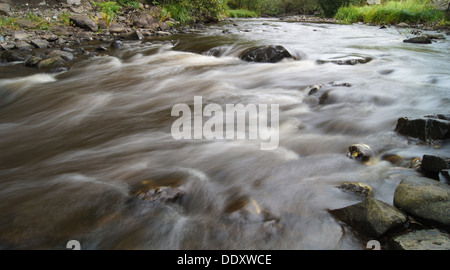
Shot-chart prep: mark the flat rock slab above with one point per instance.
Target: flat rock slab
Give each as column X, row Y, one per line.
column 371, row 217
column 422, row 240
column 425, row 198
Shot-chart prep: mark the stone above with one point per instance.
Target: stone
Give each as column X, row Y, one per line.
column 360, row 152
column 433, row 165
column 266, row 54
column 116, row 44
column 8, row 45
column 33, row 61
column 135, row 35
column 371, row 217
column 418, row 40
column 424, row 198
column 162, row 195
column 117, row 28
column 425, row 129
column 20, row 35
column 347, row 61
column 67, row 56
column 40, row 43
column 444, row 176
column 144, row 20
column 51, row 63
column 84, row 22
column 422, row 240
column 402, row 25
column 5, row 9
column 357, row 188
column 10, row 56
column 22, row 45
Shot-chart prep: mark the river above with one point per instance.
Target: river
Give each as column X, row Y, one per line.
column 75, row 146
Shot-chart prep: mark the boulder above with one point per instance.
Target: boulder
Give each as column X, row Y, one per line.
column 26, row 24
column 33, row 61
column 360, row 152
column 266, row 54
column 22, row 45
column 5, row 9
column 117, row 28
column 67, row 56
column 371, row 217
column 426, row 128
column 424, row 198
column 39, row 43
column 433, row 165
column 84, row 22
column 418, row 40
column 422, row 240
column 116, row 44
column 144, row 20
column 10, row 56
column 20, row 35
column 52, row 63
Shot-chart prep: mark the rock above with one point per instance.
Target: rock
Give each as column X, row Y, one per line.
column 67, row 56
column 425, row 129
column 418, row 40
column 434, row 36
column 5, row 9
column 424, row 198
column 266, row 54
column 116, row 44
column 360, row 152
column 401, row 161
column 26, row 24
column 371, row 217
column 8, row 45
column 163, row 26
column 135, row 35
column 10, row 56
column 144, row 20
column 357, row 188
column 422, row 240
column 444, row 176
column 20, row 35
column 162, row 195
column 101, row 48
column 433, row 165
column 117, row 28
column 84, row 22
column 347, row 61
column 39, row 43
column 162, row 33
column 22, row 45
column 33, row 61
column 402, row 25
column 51, row 63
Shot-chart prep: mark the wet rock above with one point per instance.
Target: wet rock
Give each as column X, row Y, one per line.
column 116, row 44
column 162, row 195
column 39, row 43
column 22, row 45
column 422, row 240
column 67, row 56
column 357, row 188
column 424, row 198
column 444, row 176
column 371, row 217
column 401, row 161
column 433, row 165
column 135, row 35
column 434, row 36
column 84, row 22
column 347, row 61
column 33, row 61
column 10, row 56
column 266, row 54
column 8, row 45
column 425, row 129
column 101, row 48
column 52, row 63
column 418, row 40
column 360, row 152
column 402, row 25
column 312, row 89
column 117, row 28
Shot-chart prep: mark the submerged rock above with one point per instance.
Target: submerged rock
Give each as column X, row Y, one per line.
column 424, row 198
column 162, row 194
column 266, row 54
column 371, row 217
column 116, row 44
column 426, row 128
column 422, row 240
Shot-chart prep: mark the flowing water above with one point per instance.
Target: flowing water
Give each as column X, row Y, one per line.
column 77, row 146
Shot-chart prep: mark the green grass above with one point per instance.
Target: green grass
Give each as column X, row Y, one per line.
column 178, row 12
column 241, row 13
column 393, row 12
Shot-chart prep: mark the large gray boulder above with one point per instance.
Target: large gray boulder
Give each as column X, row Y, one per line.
column 422, row 240
column 371, row 217
column 425, row 198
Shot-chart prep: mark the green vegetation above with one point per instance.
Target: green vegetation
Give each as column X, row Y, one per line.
column 189, row 11
column 109, row 10
column 393, row 12
column 330, row 7
column 241, row 13
column 276, row 7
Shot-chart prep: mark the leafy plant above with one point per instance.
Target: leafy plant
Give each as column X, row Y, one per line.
column 109, row 10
